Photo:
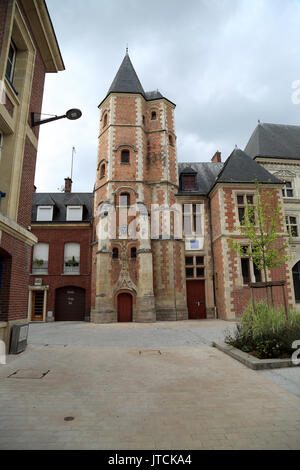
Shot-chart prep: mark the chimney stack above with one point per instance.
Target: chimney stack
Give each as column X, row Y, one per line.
column 68, row 185
column 217, row 157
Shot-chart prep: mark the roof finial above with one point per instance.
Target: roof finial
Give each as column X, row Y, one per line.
column 236, row 146
column 258, row 121
column 127, row 49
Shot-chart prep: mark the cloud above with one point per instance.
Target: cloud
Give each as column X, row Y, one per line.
column 225, row 63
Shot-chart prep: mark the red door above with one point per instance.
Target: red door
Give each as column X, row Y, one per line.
column 124, row 308
column 195, row 291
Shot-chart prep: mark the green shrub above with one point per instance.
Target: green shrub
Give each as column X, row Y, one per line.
column 267, row 332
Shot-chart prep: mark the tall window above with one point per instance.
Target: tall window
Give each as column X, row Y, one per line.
column 115, row 253
column 11, row 62
column 287, row 190
column 242, row 201
column 191, row 219
column 74, row 213
column 250, row 272
column 125, row 156
column 291, row 225
column 133, row 253
column 72, row 258
column 153, row 116
column 125, row 200
column 105, row 120
column 40, row 258
column 188, row 182
column 102, row 170
column 44, row 213
column 170, row 139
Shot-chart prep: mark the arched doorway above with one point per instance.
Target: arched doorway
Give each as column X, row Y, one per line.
column 70, row 304
column 296, row 278
column 124, row 307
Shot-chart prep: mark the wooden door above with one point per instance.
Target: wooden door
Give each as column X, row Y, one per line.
column 124, row 307
column 195, row 291
column 37, row 308
column 70, row 304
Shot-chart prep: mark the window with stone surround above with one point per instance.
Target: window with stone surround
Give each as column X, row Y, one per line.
column 124, row 199
column 194, row 267
column 115, row 253
column 11, row 62
column 133, row 252
column 191, row 219
column 153, row 116
column 125, row 156
column 250, row 272
column 242, row 201
column 292, row 225
column 105, row 120
column 288, row 190
column 102, row 170
column 40, row 258
column 72, row 258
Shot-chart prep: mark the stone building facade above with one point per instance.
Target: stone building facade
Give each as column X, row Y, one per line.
column 28, row 50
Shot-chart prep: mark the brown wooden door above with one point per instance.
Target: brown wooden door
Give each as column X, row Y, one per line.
column 124, row 308
column 195, row 291
column 70, row 304
column 37, row 308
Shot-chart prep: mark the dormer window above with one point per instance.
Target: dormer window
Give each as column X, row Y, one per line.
column 188, row 182
column 74, row 213
column 287, row 190
column 44, row 214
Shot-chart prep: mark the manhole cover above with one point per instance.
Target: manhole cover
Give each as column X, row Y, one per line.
column 29, row 374
column 150, row 352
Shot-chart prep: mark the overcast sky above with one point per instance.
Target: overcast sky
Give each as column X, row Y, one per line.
column 225, row 63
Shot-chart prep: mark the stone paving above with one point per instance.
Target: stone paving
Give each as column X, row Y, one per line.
column 129, row 389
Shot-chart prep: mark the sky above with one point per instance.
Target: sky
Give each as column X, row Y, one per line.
column 225, row 63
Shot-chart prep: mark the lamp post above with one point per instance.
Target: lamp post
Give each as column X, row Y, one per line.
column 72, row 114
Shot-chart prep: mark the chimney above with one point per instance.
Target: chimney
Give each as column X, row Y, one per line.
column 68, row 185
column 217, row 157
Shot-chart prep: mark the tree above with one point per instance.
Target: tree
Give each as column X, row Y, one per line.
column 266, row 247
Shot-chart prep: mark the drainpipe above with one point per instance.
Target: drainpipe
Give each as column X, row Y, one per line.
column 212, row 257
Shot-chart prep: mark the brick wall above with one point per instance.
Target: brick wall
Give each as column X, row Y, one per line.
column 27, row 184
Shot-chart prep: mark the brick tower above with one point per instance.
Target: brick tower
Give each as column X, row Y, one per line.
column 136, row 278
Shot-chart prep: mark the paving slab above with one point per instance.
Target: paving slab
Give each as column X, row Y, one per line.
column 190, row 396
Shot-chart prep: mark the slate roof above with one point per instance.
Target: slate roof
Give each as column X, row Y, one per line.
column 207, row 173
column 274, row 140
column 240, row 168
column 61, row 200
column 127, row 81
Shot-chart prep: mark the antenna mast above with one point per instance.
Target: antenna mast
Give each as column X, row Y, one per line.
column 73, row 153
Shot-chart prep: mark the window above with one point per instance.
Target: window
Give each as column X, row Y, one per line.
column 170, row 139
column 72, row 258
column 11, row 62
column 74, row 213
column 242, row 201
column 133, row 253
column 40, row 258
column 153, row 116
column 125, row 155
column 188, row 182
column 191, row 219
column 144, row 120
column 250, row 272
column 194, row 267
column 115, row 253
column 124, row 200
column 44, row 213
column 105, row 120
column 291, row 225
column 102, row 171
column 287, row 190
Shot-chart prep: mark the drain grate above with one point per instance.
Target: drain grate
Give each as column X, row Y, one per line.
column 150, row 352
column 28, row 374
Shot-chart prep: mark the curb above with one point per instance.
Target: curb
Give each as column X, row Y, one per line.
column 251, row 361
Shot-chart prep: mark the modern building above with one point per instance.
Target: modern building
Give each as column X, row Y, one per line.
column 60, row 281
column 28, row 50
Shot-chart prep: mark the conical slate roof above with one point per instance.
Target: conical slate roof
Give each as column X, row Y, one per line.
column 126, row 80
column 240, row 168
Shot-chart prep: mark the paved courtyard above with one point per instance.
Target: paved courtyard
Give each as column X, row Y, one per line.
column 137, row 386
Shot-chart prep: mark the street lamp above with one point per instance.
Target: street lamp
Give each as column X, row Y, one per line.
column 72, row 114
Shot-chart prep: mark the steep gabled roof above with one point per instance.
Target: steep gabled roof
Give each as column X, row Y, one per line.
column 240, row 168
column 126, row 80
column 274, row 140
